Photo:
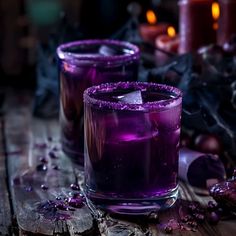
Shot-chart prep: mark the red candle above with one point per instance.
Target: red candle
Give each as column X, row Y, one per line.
column 227, row 21
column 149, row 31
column 196, row 24
column 167, row 42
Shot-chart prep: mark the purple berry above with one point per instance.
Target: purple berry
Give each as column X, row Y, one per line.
column 76, row 194
column 41, row 167
column 224, row 193
column 44, row 187
column 75, row 202
column 75, row 187
column 55, row 149
column 55, row 167
column 17, row 180
column 52, row 155
column 50, row 139
column 213, row 218
column 43, row 160
column 61, row 206
column 208, row 143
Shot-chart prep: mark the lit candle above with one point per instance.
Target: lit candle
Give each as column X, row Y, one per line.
column 227, row 21
column 215, row 8
column 169, row 43
column 196, row 24
column 149, row 31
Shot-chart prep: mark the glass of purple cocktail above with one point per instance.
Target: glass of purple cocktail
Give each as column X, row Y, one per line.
column 132, row 132
column 83, row 64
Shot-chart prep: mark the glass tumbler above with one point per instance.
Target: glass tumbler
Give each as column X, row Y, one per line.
column 132, row 132
column 83, row 64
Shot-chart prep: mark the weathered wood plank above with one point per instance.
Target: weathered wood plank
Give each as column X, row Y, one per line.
column 29, row 140
column 120, row 228
column 5, row 209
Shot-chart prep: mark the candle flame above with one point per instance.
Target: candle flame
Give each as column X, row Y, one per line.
column 215, row 9
column 171, row 31
column 151, row 17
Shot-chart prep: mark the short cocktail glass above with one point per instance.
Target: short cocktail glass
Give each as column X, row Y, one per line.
column 83, row 64
column 132, row 132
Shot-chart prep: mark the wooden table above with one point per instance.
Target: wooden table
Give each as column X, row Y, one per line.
column 24, row 140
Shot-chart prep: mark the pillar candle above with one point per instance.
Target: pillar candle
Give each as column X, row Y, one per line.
column 168, row 44
column 150, row 30
column 196, row 24
column 227, row 21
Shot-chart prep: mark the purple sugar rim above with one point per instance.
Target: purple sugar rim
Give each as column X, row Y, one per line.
column 76, row 57
column 148, row 106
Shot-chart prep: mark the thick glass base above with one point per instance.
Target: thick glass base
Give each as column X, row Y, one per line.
column 127, row 206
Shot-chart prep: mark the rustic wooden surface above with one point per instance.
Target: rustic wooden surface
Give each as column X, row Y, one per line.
column 22, row 143
column 5, row 208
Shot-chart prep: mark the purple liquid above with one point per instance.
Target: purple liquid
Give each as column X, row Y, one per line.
column 132, row 149
column 89, row 64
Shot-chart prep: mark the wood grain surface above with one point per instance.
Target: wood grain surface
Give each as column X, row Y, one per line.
column 5, row 208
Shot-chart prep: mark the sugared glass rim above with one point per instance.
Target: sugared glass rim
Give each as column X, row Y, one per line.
column 63, row 54
column 147, row 106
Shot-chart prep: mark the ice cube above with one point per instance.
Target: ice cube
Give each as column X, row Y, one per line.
column 132, row 98
column 106, row 50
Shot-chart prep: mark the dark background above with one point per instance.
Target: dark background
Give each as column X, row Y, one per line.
column 25, row 24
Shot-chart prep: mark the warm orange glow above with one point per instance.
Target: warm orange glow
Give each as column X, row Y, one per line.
column 215, row 26
column 215, row 9
column 171, row 31
column 151, row 17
